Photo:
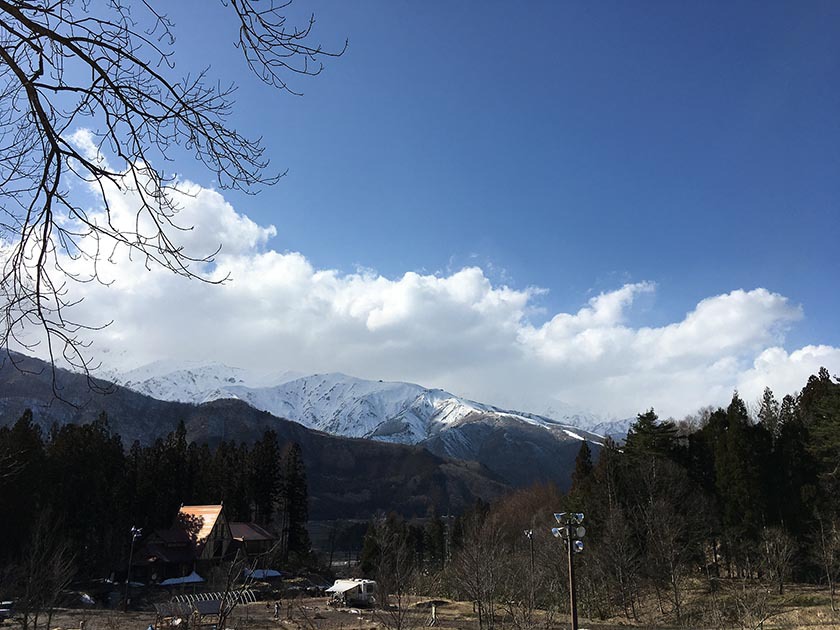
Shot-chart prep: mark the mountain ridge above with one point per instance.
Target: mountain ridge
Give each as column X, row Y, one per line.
column 348, row 478
column 341, row 404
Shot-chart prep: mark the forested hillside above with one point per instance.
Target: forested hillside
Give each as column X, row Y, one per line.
column 727, row 505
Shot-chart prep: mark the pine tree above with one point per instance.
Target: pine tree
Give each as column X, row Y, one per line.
column 647, row 436
column 294, row 499
column 86, row 468
column 769, row 412
column 21, row 487
column 265, row 477
column 739, row 480
column 819, row 408
column 583, row 470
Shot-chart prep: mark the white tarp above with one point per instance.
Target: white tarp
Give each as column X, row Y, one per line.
column 262, row 574
column 342, row 586
column 192, row 578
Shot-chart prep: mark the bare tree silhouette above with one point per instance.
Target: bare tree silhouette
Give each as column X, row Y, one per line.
column 108, row 68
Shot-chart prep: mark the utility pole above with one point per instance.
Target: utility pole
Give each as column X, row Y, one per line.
column 571, row 531
column 572, row 590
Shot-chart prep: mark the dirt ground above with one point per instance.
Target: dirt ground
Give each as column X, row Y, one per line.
column 312, row 613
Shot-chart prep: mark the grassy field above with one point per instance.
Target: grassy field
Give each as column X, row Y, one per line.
column 800, row 607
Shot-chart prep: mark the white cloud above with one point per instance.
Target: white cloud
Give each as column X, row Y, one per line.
column 783, row 372
column 456, row 330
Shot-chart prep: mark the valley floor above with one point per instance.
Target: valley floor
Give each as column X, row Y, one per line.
column 803, row 607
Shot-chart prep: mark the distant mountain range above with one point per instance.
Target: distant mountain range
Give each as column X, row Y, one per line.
column 450, row 448
column 344, row 405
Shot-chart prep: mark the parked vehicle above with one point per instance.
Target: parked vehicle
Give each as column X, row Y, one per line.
column 353, row 592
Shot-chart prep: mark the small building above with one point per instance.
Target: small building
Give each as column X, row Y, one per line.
column 252, row 539
column 208, row 529
column 199, row 536
column 353, row 592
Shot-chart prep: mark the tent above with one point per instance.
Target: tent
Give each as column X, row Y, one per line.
column 192, row 578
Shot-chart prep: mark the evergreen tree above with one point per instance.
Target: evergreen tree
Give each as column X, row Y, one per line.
column 794, row 476
column 371, row 551
column 86, row 468
column 648, row 437
column 294, row 500
column 21, row 485
column 434, row 544
column 739, row 481
column 265, row 477
column 819, row 408
column 769, row 412
column 583, row 470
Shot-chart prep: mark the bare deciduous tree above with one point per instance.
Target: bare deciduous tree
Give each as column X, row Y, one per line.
column 779, row 549
column 827, row 552
column 232, row 581
column 45, row 570
column 108, row 68
column 479, row 567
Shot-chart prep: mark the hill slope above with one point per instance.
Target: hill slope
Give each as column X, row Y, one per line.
column 348, row 478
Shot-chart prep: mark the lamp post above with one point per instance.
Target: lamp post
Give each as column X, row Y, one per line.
column 571, row 531
column 529, row 534
column 135, row 534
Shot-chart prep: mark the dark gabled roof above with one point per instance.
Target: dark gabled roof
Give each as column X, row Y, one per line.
column 249, row 532
column 172, row 536
column 156, row 552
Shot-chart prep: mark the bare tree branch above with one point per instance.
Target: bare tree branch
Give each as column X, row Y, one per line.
column 65, row 68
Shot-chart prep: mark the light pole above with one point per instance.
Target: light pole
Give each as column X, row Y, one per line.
column 529, row 534
column 135, row 534
column 571, row 531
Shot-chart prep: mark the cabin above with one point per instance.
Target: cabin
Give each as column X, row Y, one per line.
column 353, row 592
column 199, row 536
column 251, row 539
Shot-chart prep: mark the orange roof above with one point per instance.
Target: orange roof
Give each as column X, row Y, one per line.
column 199, row 519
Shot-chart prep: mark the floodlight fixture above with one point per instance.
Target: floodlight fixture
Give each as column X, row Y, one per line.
column 558, row 532
column 528, row 533
column 580, row 531
column 577, row 546
column 560, row 517
column 577, row 517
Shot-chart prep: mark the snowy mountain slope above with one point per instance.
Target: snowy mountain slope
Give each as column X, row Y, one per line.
column 344, row 405
column 191, row 382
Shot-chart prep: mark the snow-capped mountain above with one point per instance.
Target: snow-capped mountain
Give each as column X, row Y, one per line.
column 219, row 403
column 191, row 382
column 339, row 404
column 517, row 447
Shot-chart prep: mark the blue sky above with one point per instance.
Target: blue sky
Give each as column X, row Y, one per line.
column 636, row 183
column 571, row 146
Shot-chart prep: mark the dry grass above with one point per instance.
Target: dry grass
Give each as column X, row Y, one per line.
column 801, row 607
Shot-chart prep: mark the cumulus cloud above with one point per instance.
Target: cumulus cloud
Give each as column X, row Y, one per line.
column 455, row 330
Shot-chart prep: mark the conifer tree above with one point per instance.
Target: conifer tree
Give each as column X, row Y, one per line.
column 769, row 412
column 22, row 447
column 265, row 477
column 294, row 499
column 583, row 470
column 739, row 481
column 647, row 436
